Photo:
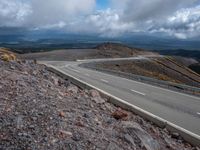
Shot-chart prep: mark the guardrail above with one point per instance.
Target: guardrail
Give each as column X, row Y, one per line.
column 165, row 84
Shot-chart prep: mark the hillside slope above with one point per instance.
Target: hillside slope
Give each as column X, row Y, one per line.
column 106, row 50
column 114, row 50
column 190, row 58
column 167, row 69
column 39, row 110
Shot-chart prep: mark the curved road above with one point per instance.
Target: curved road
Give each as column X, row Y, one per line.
column 178, row 108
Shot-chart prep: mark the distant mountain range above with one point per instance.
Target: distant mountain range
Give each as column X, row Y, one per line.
column 35, row 40
column 180, row 52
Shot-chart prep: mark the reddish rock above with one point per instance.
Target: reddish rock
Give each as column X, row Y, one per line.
column 120, row 114
column 80, row 124
column 94, row 93
column 72, row 89
column 62, row 114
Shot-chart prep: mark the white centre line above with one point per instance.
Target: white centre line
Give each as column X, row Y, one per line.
column 198, row 113
column 63, row 66
column 138, row 92
column 66, row 65
column 75, row 70
column 87, row 75
column 104, row 80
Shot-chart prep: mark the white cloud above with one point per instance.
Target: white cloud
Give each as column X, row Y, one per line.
column 108, row 23
column 105, row 23
column 13, row 13
column 47, row 12
column 178, row 18
column 140, row 10
column 39, row 13
column 184, row 24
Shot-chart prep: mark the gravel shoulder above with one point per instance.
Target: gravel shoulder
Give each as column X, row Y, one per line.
column 39, row 111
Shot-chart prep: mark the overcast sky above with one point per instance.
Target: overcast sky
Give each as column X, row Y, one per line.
column 109, row 18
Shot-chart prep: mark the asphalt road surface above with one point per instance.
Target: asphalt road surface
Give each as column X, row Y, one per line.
column 178, row 108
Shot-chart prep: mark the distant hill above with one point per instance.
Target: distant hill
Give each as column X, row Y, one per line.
column 105, row 50
column 120, row 50
column 195, row 67
column 181, row 52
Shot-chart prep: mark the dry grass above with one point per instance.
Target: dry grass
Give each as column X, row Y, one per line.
column 7, row 55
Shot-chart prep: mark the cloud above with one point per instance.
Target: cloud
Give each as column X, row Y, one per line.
column 47, row 12
column 42, row 13
column 184, row 24
column 108, row 23
column 180, row 18
column 13, row 13
column 177, row 18
column 140, row 10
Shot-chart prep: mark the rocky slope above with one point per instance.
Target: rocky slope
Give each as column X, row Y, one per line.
column 39, row 110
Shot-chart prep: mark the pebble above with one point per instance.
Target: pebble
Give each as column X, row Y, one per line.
column 65, row 134
column 175, row 135
column 72, row 89
column 76, row 137
column 61, row 114
column 31, row 126
column 34, row 118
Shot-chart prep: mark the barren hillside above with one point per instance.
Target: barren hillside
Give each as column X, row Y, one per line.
column 166, row 68
column 107, row 50
column 39, row 110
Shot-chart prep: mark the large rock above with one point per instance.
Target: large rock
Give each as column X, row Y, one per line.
column 95, row 96
column 134, row 130
column 113, row 146
column 120, row 114
column 94, row 93
column 73, row 89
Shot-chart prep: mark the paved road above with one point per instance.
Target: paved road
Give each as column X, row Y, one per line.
column 180, row 109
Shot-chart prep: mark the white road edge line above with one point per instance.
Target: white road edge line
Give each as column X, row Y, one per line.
column 138, row 92
column 198, row 113
column 104, row 80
